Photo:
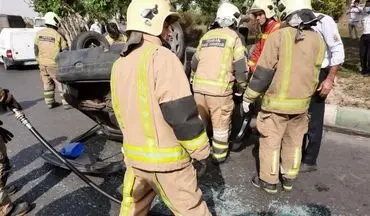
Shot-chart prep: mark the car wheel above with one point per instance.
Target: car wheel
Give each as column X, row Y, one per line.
column 89, row 39
column 177, row 40
column 6, row 64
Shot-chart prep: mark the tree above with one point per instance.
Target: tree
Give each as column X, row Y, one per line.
column 75, row 14
column 333, row 8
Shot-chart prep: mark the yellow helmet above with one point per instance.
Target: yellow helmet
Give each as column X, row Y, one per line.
column 148, row 16
column 266, row 6
column 287, row 7
column 51, row 19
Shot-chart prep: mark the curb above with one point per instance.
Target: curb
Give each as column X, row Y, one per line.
column 348, row 120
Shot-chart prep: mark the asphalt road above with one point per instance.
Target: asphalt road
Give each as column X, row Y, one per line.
column 340, row 187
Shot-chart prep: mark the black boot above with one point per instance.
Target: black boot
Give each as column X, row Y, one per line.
column 287, row 184
column 10, row 190
column 53, row 105
column 305, row 168
column 269, row 188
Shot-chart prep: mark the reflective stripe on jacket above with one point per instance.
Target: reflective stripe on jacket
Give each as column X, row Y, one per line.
column 155, row 110
column 217, row 53
column 287, row 71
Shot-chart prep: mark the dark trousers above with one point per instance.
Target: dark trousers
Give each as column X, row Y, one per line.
column 312, row 140
column 365, row 53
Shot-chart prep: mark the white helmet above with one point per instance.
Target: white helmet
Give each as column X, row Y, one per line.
column 287, row 7
column 266, row 6
column 52, row 19
column 148, row 16
column 228, row 14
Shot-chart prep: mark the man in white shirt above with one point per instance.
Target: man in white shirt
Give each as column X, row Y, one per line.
column 96, row 27
column 365, row 42
column 354, row 18
column 334, row 58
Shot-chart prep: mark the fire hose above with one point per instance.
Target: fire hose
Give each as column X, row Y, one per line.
column 22, row 118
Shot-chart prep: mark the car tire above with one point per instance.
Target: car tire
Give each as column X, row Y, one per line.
column 6, row 64
column 89, row 39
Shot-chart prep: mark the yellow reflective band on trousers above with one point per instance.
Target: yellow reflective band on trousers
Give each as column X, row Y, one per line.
column 49, row 96
column 293, row 172
column 150, row 152
column 115, row 101
column 220, row 150
column 128, row 186
column 275, row 163
column 164, row 196
column 195, row 143
column 227, row 56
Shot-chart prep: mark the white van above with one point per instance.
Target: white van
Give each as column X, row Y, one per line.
column 17, row 46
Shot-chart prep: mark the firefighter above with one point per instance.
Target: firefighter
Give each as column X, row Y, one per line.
column 264, row 13
column 158, row 116
column 6, row 205
column 219, row 61
column 287, row 74
column 114, row 36
column 48, row 44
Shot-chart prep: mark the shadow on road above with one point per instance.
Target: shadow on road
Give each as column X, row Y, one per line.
column 28, row 155
column 30, row 103
column 307, row 210
column 85, row 201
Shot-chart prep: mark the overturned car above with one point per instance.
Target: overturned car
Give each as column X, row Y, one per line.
column 84, row 72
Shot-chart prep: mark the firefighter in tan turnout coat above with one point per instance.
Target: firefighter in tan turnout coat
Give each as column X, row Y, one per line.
column 7, row 207
column 287, row 74
column 218, row 62
column 158, row 116
column 48, row 44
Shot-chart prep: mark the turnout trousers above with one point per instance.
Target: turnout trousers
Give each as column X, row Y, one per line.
column 217, row 111
column 48, row 78
column 280, row 144
column 178, row 189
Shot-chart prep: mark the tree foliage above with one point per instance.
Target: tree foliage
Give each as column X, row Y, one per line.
column 100, row 9
column 333, row 8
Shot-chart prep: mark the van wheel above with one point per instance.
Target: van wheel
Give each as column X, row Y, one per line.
column 6, row 64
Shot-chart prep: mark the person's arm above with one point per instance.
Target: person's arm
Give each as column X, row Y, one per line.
column 335, row 46
column 265, row 69
column 36, row 47
column 63, row 44
column 252, row 62
column 178, row 105
column 8, row 100
column 240, row 64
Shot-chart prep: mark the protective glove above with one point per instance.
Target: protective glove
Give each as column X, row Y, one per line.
column 246, row 106
column 8, row 101
column 6, row 135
